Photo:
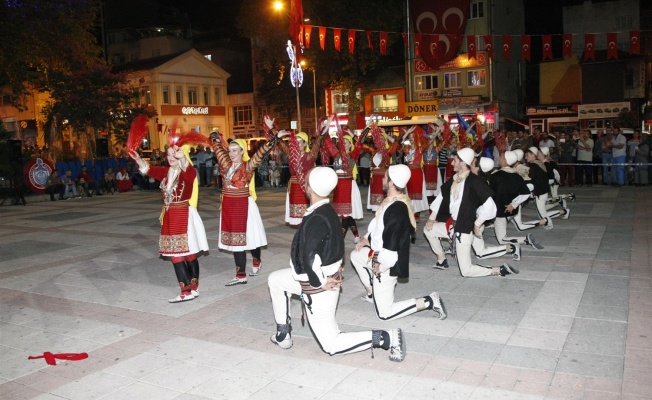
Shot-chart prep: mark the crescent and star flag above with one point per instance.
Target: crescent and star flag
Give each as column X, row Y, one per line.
column 322, row 37
column 635, row 42
column 351, row 41
column 507, row 46
column 525, row 47
column 337, row 38
column 370, row 43
column 546, row 47
column 296, row 20
column 568, row 45
column 383, row 43
column 489, row 45
column 418, row 37
column 471, row 46
column 308, row 34
column 612, row 45
column 406, row 41
column 589, row 46
column 439, row 22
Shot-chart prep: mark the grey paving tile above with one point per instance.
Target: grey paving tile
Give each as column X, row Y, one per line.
column 606, row 299
column 92, row 386
column 524, row 357
column 369, row 384
column 595, row 344
column 603, row 312
column 586, row 326
column 591, row 365
column 423, row 343
column 543, row 321
column 277, row 390
column 471, row 349
column 142, row 391
column 492, row 316
column 228, row 385
column 539, row 339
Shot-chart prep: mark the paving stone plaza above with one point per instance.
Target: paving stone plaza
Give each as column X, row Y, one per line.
column 85, row 276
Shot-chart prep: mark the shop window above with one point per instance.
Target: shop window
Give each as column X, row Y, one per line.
column 453, row 80
column 476, row 78
column 385, row 103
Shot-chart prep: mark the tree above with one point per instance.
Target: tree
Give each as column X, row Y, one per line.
column 626, row 119
column 340, row 70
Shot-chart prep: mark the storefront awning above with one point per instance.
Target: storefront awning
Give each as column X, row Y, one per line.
column 517, row 122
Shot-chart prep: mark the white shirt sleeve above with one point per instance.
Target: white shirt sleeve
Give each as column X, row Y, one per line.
column 520, row 200
column 387, row 259
column 434, row 206
column 486, row 212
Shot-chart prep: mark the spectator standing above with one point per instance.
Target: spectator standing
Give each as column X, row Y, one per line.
column 620, row 154
column 641, row 173
column 597, row 156
column 607, row 158
column 584, row 170
column 365, row 168
column 208, row 175
column 632, row 145
column 566, row 169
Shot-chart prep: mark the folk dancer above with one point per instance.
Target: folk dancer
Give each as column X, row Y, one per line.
column 315, row 274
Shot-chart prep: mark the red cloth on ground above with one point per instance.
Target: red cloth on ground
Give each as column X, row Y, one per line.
column 125, row 186
column 51, row 358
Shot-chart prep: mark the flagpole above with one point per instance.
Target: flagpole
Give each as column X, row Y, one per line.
column 409, row 58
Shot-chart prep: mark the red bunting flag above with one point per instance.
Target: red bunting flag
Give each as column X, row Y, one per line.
column 302, row 30
column 405, row 39
column 337, row 38
column 383, row 43
column 418, row 37
column 307, row 33
column 525, row 47
column 471, row 46
column 546, row 47
column 370, row 43
column 568, row 45
column 612, row 45
column 322, row 37
column 507, row 46
column 489, row 45
column 635, row 42
column 589, row 46
column 351, row 41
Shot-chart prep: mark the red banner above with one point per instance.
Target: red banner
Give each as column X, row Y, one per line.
column 635, row 42
column 296, row 20
column 383, row 43
column 546, row 47
column 612, row 45
column 437, row 20
column 489, row 45
column 322, row 37
column 471, row 46
column 369, row 42
column 307, row 33
column 589, row 46
column 337, row 38
column 568, row 45
column 525, row 47
column 406, row 41
column 351, row 41
column 507, row 46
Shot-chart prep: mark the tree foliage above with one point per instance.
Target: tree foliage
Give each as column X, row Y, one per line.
column 340, row 70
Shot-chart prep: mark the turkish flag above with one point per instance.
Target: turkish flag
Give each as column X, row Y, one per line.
column 369, row 42
column 635, row 42
column 307, row 33
column 296, row 20
column 383, row 43
column 525, row 47
column 418, row 37
column 302, row 30
column 337, row 38
column 322, row 37
column 507, row 46
column 589, row 46
column 471, row 46
column 546, row 47
column 568, row 44
column 489, row 45
column 351, row 41
column 438, row 21
column 612, row 45
column 405, row 39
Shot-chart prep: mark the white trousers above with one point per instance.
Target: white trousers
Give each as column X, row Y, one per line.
column 519, row 224
column 500, row 228
column 542, row 209
column 463, row 244
column 382, row 288
column 320, row 311
column 482, row 251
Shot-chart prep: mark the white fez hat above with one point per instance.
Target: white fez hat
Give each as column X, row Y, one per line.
column 322, row 180
column 533, row 150
column 467, row 155
column 511, row 157
column 399, row 174
column 519, row 154
column 486, row 164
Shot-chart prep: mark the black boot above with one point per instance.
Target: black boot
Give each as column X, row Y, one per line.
column 181, row 270
column 193, row 269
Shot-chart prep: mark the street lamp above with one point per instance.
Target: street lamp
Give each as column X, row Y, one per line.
column 314, row 95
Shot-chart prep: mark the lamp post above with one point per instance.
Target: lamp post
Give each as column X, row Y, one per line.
column 314, row 95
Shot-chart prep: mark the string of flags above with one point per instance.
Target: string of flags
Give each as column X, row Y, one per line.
column 489, row 42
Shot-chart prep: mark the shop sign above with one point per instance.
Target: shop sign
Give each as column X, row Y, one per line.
column 189, row 110
column 451, row 92
column 601, row 110
column 551, row 110
column 421, row 108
